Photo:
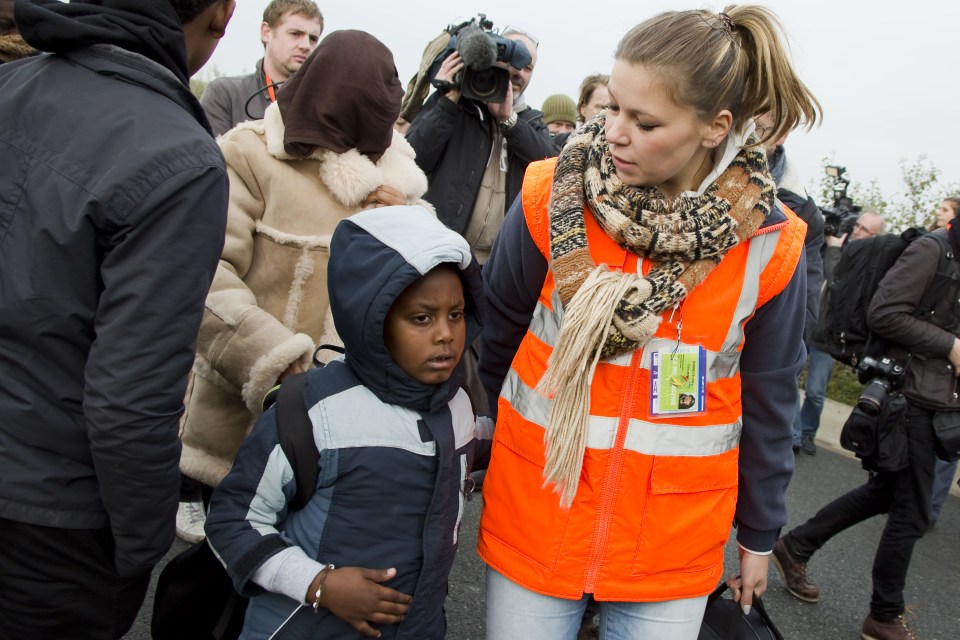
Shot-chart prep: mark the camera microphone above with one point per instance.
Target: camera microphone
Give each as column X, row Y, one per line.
column 477, row 49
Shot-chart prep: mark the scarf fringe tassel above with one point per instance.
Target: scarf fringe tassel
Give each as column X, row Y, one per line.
column 586, row 323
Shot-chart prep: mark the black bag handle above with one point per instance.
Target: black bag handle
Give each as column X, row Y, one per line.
column 325, row 347
column 735, row 621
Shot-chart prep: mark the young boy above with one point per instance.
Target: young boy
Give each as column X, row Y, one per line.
column 397, row 439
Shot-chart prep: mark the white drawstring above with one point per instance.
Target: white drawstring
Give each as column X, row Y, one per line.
column 284, row 623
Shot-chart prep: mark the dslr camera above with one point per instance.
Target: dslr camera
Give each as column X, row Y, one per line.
column 839, row 219
column 880, row 375
column 480, row 48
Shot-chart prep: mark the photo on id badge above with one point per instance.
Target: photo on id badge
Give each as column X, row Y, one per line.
column 677, row 380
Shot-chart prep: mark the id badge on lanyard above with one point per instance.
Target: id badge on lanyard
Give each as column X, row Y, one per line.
column 678, row 381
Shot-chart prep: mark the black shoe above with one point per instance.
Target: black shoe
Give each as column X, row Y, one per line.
column 808, row 446
column 796, row 449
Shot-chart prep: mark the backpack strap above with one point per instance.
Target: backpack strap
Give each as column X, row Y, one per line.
column 295, row 432
column 946, row 275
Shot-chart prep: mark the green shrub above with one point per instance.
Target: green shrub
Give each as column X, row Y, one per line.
column 843, row 385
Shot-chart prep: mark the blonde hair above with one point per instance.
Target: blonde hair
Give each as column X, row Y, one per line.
column 733, row 60
column 587, row 87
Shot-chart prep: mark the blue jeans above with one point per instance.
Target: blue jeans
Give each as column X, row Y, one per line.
column 514, row 613
column 807, row 420
column 942, row 479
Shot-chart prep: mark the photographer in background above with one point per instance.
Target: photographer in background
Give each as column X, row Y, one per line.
column 928, row 347
column 820, row 363
column 475, row 153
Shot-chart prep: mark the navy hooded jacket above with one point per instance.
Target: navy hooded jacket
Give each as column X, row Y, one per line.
column 395, row 453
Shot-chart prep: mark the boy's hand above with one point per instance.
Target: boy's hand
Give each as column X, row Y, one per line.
column 353, row 594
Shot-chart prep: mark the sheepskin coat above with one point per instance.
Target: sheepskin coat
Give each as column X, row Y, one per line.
column 268, row 305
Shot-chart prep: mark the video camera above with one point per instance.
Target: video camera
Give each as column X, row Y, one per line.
column 480, row 48
column 880, row 375
column 839, row 220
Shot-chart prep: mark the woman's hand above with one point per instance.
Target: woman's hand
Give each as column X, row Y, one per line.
column 752, row 579
column 354, row 594
column 384, row 196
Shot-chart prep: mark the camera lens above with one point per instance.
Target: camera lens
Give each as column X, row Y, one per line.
column 483, row 85
column 873, row 396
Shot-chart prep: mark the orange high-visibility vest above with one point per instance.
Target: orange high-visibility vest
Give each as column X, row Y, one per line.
column 656, row 496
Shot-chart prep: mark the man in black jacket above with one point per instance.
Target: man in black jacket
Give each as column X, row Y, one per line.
column 475, row 153
column 113, row 200
column 928, row 345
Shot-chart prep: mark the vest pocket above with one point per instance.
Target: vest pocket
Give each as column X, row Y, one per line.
column 519, row 512
column 688, row 514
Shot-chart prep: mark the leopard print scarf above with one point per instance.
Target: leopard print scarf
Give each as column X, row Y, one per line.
column 607, row 314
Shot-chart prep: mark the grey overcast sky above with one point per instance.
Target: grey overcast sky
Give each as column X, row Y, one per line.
column 885, row 72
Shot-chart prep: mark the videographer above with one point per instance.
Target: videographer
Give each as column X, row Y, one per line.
column 928, row 347
column 475, row 153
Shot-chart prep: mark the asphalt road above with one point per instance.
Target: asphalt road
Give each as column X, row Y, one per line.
column 842, row 569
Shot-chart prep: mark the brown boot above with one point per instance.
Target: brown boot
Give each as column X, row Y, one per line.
column 794, row 573
column 895, row 629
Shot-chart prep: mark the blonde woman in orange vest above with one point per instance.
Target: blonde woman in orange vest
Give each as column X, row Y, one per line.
column 643, row 340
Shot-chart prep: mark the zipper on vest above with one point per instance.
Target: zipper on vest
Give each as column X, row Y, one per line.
column 613, row 471
column 774, row 227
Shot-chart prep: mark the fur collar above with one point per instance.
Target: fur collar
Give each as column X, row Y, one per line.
column 351, row 176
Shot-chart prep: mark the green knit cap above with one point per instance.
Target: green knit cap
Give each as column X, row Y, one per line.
column 559, row 107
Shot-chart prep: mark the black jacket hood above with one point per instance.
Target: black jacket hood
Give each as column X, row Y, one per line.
column 148, row 27
column 374, row 256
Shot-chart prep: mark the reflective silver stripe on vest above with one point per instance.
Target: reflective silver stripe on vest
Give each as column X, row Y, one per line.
column 661, row 439
column 649, row 438
column 762, row 248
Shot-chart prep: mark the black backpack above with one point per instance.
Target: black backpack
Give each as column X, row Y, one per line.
column 195, row 597
column 842, row 329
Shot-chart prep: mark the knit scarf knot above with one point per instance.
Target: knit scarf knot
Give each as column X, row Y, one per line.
column 606, row 314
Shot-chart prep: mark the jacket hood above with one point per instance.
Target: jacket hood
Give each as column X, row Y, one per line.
column 374, row 256
column 148, row 27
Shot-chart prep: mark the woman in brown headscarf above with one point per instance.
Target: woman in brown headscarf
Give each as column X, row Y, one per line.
column 325, row 150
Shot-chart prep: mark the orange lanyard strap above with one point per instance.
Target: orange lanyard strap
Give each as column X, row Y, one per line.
column 270, row 87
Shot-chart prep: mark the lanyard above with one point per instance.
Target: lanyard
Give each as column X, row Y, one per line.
column 270, row 87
